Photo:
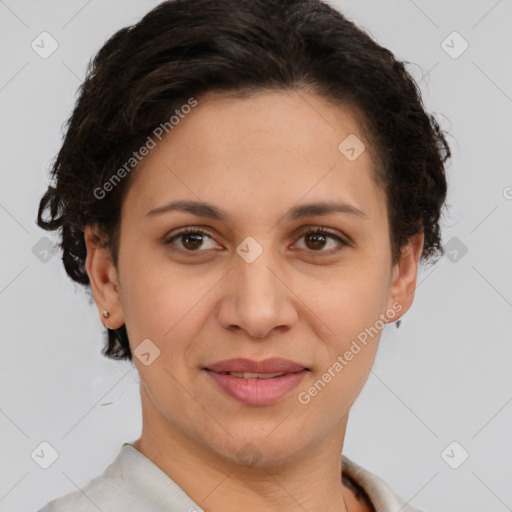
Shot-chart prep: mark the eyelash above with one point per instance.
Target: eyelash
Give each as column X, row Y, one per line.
column 316, row 230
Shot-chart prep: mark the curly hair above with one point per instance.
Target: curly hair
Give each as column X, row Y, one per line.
column 185, row 48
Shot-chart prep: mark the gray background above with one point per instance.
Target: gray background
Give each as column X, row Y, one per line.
column 444, row 376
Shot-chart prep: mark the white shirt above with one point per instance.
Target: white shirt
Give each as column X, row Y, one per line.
column 132, row 483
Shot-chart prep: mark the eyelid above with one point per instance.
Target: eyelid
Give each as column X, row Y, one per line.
column 344, row 240
column 183, row 231
column 315, row 228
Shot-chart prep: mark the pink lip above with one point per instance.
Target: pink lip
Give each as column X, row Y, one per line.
column 257, row 391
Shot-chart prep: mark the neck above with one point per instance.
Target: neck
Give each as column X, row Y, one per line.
column 310, row 479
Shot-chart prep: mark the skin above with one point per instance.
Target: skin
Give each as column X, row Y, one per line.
column 256, row 158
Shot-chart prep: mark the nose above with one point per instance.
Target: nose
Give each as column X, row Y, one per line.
column 257, row 298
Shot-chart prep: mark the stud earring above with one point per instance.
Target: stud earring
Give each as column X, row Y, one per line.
column 106, row 314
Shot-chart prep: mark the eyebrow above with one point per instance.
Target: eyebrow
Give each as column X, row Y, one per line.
column 206, row 210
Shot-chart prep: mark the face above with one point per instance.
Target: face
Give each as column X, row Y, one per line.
column 254, row 281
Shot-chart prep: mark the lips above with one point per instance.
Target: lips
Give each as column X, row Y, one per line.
column 275, row 365
column 249, row 375
column 257, row 383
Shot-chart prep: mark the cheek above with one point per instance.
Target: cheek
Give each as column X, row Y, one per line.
column 351, row 300
column 349, row 330
column 169, row 308
column 348, row 316
column 155, row 295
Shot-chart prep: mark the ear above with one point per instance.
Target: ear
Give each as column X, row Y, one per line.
column 404, row 274
column 103, row 277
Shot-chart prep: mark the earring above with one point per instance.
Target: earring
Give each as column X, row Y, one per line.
column 106, row 314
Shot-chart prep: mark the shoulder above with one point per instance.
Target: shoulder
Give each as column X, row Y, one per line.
column 99, row 494
column 109, row 492
column 129, row 484
column 380, row 494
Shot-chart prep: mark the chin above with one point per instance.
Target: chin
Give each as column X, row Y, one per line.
column 260, row 450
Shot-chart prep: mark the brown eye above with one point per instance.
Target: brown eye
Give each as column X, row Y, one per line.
column 192, row 239
column 317, row 239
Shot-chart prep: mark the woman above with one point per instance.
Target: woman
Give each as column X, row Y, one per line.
column 248, row 188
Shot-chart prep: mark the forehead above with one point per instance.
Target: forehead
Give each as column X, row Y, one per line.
column 272, row 148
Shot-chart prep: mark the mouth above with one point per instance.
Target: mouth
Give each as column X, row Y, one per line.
column 248, row 375
column 241, row 366
column 257, row 388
